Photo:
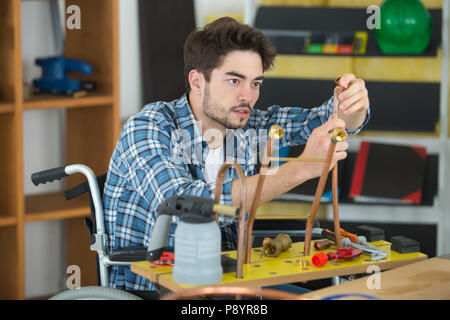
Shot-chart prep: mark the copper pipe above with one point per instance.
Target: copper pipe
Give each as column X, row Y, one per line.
column 275, row 132
column 317, row 197
column 336, row 137
column 242, row 209
column 228, row 291
column 255, row 203
column 334, row 190
column 322, row 244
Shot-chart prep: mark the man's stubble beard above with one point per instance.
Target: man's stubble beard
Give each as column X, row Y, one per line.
column 214, row 112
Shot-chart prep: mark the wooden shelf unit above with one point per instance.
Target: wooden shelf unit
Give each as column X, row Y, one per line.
column 92, row 128
column 53, row 206
column 44, row 101
column 7, row 221
column 423, row 69
column 6, row 107
column 407, row 69
column 386, row 75
column 420, row 69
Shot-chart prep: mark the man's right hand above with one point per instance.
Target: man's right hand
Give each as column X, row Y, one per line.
column 318, row 145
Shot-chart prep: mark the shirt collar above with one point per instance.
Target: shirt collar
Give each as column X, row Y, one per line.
column 186, row 121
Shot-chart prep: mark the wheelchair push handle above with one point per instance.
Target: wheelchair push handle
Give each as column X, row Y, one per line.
column 48, row 175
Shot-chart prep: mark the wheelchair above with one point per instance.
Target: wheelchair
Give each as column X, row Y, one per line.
column 125, row 256
column 97, row 232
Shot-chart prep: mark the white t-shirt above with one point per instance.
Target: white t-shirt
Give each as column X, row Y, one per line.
column 212, row 164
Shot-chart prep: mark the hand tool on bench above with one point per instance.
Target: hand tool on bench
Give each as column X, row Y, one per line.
column 360, row 242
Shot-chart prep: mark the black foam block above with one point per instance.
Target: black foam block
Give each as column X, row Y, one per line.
column 402, row 244
column 371, row 233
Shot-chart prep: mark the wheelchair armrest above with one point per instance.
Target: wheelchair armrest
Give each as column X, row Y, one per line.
column 128, row 254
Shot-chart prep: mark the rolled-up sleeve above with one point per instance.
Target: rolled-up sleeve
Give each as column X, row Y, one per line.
column 146, row 162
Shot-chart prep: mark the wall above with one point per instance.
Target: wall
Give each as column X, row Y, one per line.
column 129, row 65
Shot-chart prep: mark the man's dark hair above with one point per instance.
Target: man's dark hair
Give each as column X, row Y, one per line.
column 205, row 49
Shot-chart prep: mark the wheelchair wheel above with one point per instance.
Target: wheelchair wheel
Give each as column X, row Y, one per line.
column 95, row 293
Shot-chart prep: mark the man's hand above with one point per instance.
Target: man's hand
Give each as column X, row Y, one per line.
column 293, row 173
column 353, row 100
column 318, row 145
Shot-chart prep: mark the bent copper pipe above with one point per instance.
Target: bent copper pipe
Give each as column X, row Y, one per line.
column 316, row 202
column 222, row 290
column 334, row 196
column 337, row 135
column 242, row 209
column 275, row 132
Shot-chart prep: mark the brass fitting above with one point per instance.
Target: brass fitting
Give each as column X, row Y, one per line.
column 338, row 135
column 273, row 247
column 276, row 132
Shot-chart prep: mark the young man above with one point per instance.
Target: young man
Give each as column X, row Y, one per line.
column 173, row 148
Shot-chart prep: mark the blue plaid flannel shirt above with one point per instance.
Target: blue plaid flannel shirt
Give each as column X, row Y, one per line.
column 145, row 169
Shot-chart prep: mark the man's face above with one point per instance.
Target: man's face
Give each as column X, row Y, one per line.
column 233, row 89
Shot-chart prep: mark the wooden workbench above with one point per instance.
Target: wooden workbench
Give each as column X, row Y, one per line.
column 424, row 280
column 286, row 268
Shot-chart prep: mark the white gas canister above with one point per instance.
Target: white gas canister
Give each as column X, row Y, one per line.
column 197, row 253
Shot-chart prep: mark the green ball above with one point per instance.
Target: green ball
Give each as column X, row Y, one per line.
column 405, row 27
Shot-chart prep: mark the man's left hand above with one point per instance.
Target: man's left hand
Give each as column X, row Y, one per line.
column 351, row 94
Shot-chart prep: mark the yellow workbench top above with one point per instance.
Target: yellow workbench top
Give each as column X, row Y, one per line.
column 286, row 268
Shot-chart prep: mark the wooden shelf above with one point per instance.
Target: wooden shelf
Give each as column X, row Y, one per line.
column 305, row 67
column 49, row 101
column 408, row 69
column 6, row 107
column 399, row 134
column 54, row 206
column 429, row 4
column 7, row 221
